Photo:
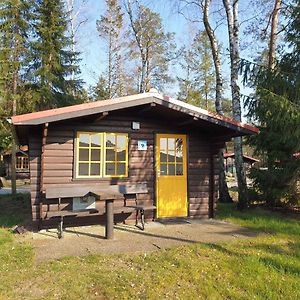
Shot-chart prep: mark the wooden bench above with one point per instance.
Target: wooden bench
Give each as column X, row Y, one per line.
column 139, row 207
column 107, row 194
column 68, row 213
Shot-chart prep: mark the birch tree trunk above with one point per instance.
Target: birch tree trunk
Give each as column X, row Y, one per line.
column 273, row 35
column 75, row 24
column 215, row 55
column 137, row 36
column 233, row 33
column 70, row 4
column 223, row 188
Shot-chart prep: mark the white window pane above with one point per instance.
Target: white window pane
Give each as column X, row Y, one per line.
column 96, row 140
column 84, row 140
column 121, row 141
column 110, row 140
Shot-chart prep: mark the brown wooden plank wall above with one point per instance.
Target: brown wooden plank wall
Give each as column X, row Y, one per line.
column 59, row 151
column 58, row 161
column 198, row 176
column 35, row 146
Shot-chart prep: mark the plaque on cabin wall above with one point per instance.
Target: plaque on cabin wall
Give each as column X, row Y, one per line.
column 142, row 145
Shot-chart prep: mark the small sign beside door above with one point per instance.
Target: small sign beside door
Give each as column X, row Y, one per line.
column 142, row 145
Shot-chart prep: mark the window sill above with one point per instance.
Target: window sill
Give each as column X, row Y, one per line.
column 103, row 179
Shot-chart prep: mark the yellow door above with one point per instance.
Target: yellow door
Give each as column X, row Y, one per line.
column 171, row 178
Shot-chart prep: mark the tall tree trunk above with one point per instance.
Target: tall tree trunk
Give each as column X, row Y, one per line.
column 223, row 187
column 70, row 4
column 273, row 35
column 224, row 196
column 13, row 146
column 140, row 46
column 14, row 112
column 142, row 87
column 216, row 56
column 110, row 68
column 233, row 33
column 73, row 16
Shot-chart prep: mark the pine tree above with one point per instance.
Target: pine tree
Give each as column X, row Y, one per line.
column 15, row 27
column 276, row 109
column 100, row 91
column 54, row 61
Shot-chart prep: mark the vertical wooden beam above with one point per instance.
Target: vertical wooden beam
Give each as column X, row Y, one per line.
column 211, row 185
column 44, row 140
column 109, row 226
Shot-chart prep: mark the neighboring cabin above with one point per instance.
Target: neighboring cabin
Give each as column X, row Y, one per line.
column 148, row 138
column 22, row 163
column 230, row 164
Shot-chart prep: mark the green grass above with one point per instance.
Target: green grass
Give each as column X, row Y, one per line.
column 261, row 220
column 14, row 212
column 264, row 267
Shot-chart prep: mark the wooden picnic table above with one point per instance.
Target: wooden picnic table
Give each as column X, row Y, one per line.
column 107, row 194
column 109, row 198
column 100, row 194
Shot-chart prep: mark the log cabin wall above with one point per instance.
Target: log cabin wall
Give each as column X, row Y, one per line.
column 35, row 150
column 58, row 162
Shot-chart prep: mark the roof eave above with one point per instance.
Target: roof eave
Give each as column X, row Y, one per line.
column 141, row 99
column 84, row 112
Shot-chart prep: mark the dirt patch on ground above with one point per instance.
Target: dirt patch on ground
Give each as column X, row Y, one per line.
column 129, row 239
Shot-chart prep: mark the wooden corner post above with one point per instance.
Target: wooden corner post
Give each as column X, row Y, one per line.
column 211, row 185
column 44, row 140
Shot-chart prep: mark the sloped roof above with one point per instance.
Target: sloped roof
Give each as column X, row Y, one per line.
column 22, row 149
column 246, row 158
column 97, row 107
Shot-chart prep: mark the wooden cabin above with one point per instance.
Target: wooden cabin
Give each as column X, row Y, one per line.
column 169, row 146
column 230, row 164
column 22, row 163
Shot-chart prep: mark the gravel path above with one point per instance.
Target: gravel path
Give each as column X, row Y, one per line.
column 6, row 191
column 129, row 239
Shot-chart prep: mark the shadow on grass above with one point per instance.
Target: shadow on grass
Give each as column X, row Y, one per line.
column 271, row 256
column 14, row 212
column 260, row 220
column 283, row 255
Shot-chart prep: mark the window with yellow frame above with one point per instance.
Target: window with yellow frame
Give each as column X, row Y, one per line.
column 22, row 163
column 101, row 154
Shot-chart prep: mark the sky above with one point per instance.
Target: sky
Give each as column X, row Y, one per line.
column 92, row 47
